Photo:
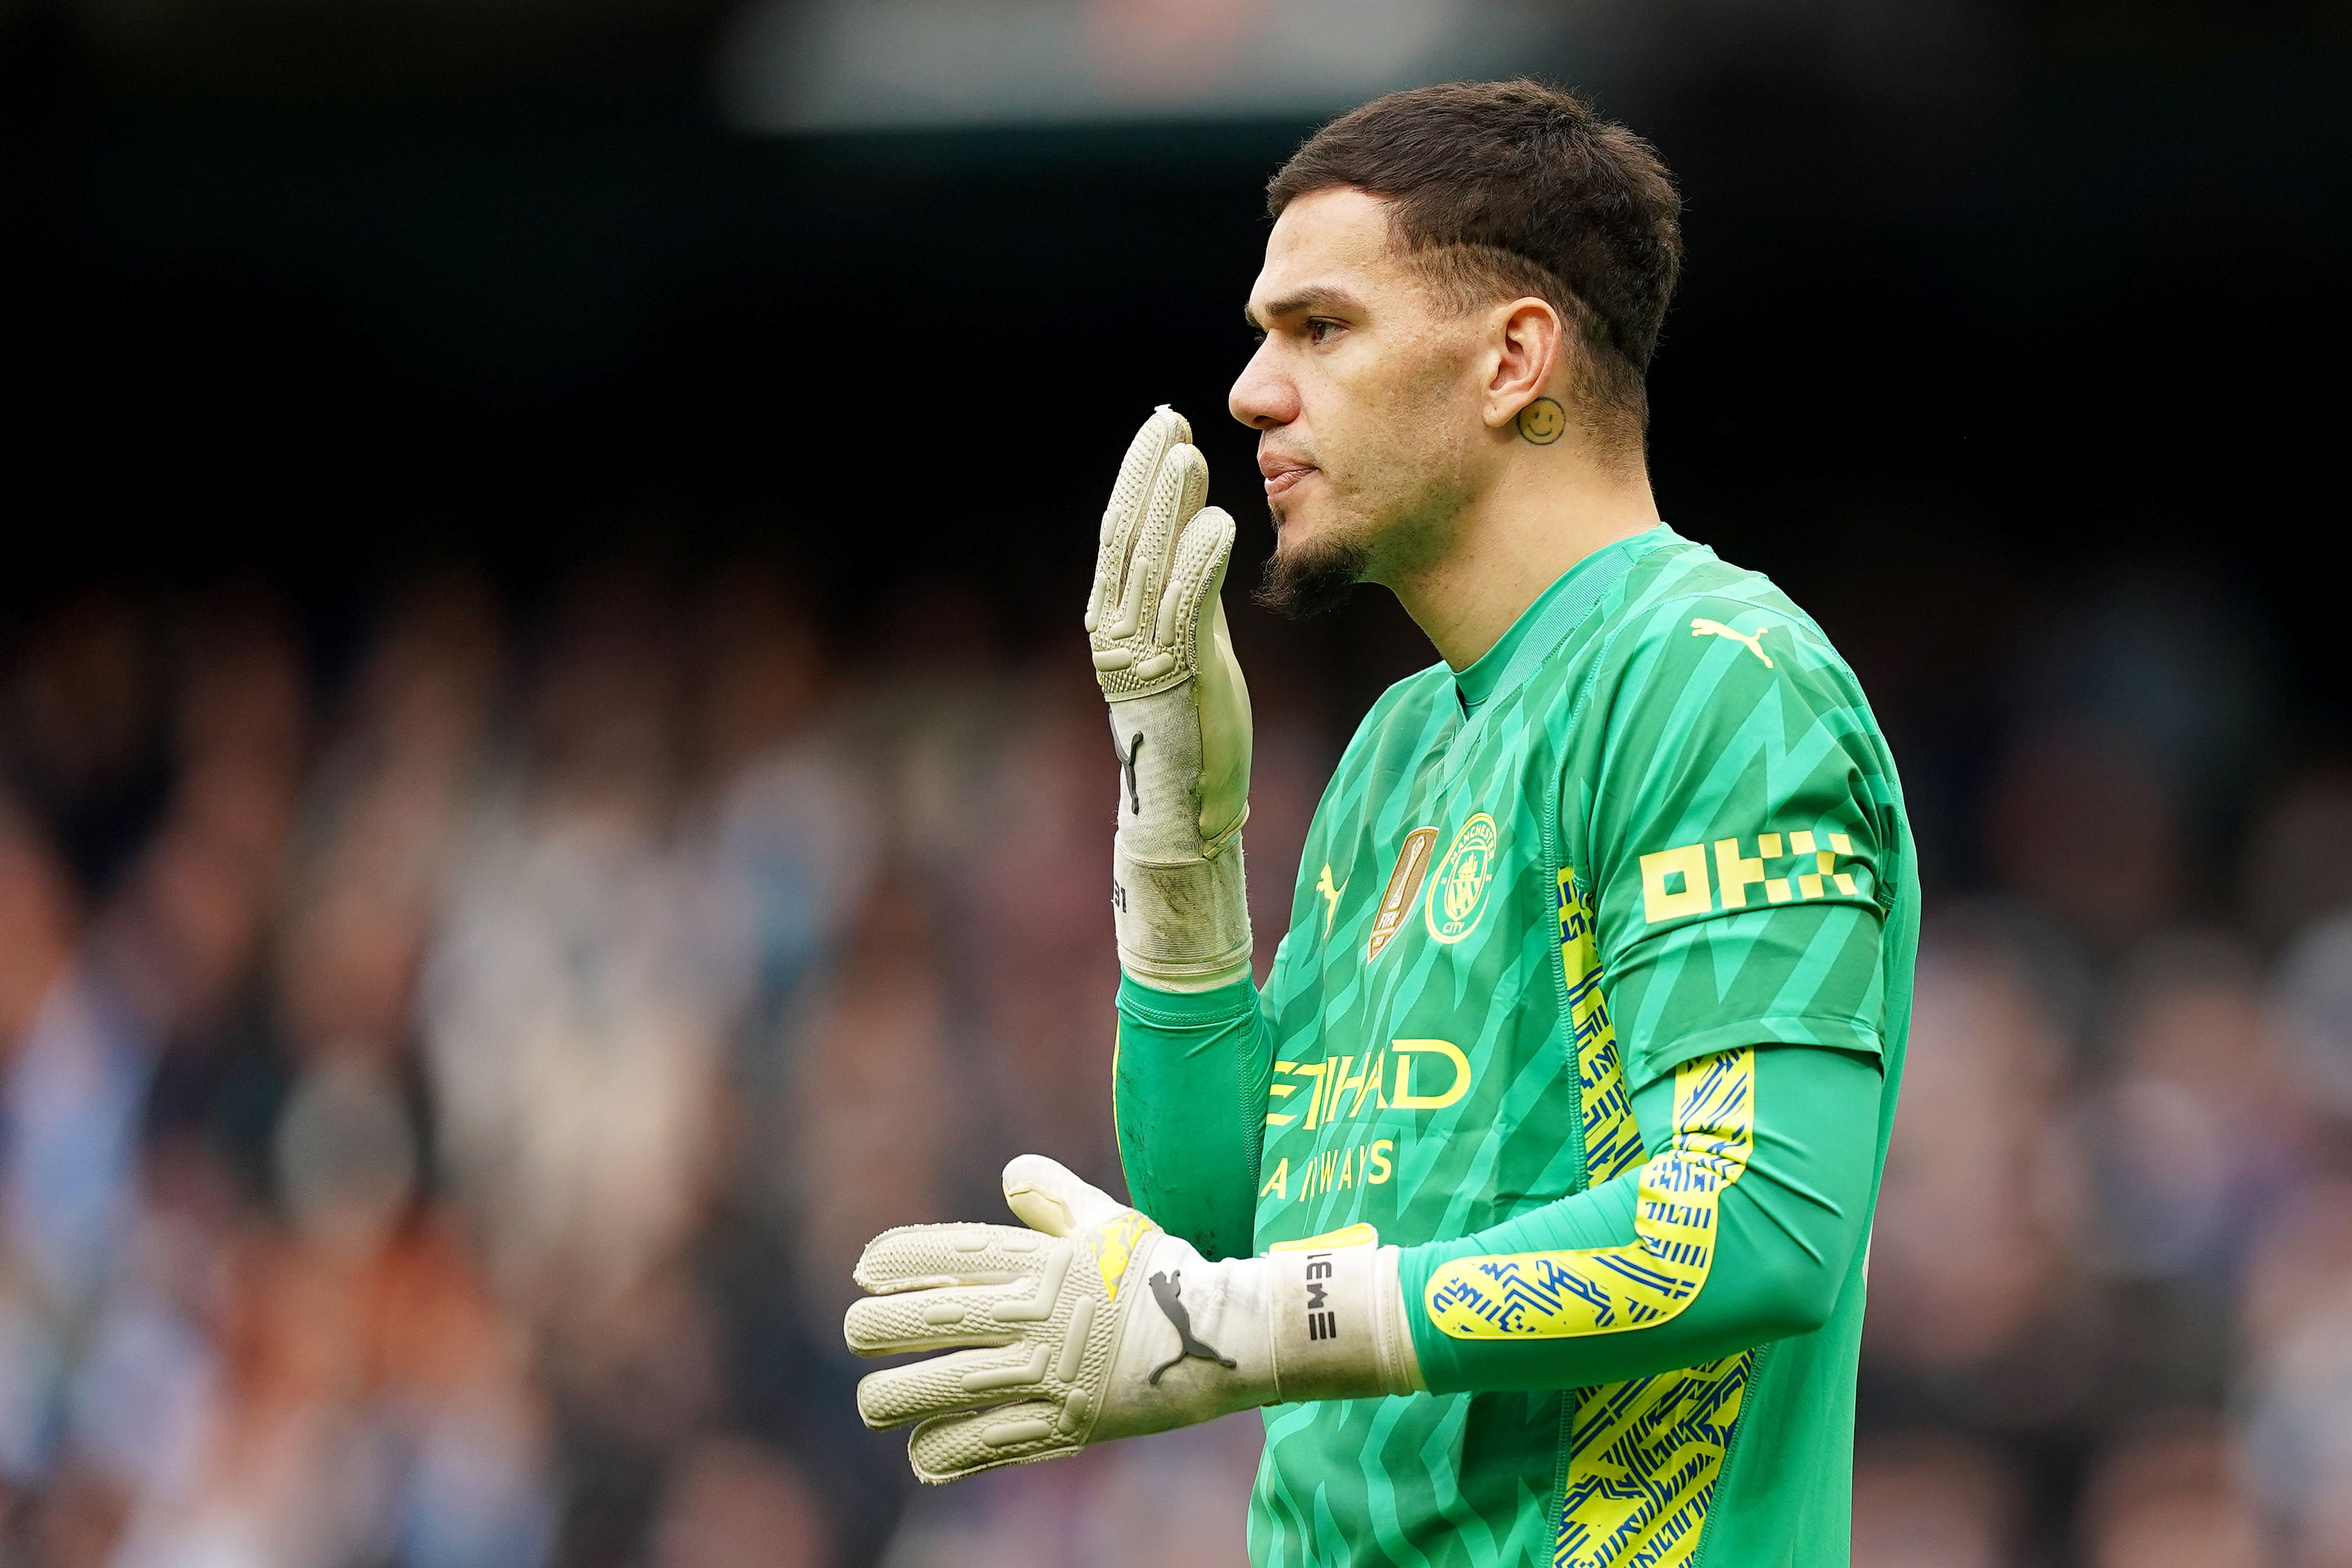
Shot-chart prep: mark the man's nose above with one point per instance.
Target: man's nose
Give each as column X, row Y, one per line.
column 1261, row 397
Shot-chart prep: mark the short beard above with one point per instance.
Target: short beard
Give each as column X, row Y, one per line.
column 1312, row 580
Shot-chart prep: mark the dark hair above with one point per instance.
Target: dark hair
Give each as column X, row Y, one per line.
column 1502, row 188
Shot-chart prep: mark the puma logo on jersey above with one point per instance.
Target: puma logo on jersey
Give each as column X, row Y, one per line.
column 1330, row 895
column 1703, row 627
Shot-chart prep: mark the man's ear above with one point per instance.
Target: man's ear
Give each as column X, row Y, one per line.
column 1528, row 355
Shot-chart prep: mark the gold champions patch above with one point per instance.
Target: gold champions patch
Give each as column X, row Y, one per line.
column 1404, row 882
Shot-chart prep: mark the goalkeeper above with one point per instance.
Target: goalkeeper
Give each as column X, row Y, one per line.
column 1532, row 1193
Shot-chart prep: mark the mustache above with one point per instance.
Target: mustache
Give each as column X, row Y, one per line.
column 1272, row 458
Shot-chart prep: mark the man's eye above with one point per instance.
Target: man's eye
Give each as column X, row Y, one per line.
column 1319, row 329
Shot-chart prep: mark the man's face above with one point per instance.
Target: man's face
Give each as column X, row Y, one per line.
column 1365, row 395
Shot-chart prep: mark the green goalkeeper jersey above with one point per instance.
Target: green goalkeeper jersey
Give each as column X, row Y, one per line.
column 1656, row 827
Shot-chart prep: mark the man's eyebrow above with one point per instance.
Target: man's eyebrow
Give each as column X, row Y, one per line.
column 1319, row 299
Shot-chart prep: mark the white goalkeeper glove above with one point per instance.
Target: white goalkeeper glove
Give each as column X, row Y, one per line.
column 1098, row 1324
column 1179, row 716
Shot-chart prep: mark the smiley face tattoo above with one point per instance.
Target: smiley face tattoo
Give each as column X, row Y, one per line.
column 1542, row 421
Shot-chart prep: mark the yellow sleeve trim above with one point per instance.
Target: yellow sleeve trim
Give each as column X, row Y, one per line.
column 1609, row 1290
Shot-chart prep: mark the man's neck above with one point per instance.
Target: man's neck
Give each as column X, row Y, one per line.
column 1513, row 542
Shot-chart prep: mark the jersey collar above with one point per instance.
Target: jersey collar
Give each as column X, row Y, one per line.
column 1555, row 613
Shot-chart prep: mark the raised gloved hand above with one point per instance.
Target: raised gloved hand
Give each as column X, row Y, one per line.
column 1179, row 716
column 1095, row 1324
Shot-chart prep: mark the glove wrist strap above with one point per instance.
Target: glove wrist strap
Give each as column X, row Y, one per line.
column 1338, row 1326
column 1183, row 924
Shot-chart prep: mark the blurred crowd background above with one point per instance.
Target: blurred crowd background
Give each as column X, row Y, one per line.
column 451, row 1074
column 547, row 791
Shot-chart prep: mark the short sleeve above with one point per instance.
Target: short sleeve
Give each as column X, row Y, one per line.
column 1738, row 833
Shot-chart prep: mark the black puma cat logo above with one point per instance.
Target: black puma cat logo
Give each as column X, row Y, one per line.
column 1164, row 1289
column 1127, row 762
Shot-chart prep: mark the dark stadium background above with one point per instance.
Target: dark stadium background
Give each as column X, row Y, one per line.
column 2011, row 342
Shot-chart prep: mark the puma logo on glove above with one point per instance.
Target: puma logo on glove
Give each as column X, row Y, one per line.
column 1180, row 718
column 1126, row 765
column 1047, row 1346
column 1165, row 1289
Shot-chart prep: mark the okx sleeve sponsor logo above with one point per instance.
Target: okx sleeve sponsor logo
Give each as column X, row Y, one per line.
column 1700, row 879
